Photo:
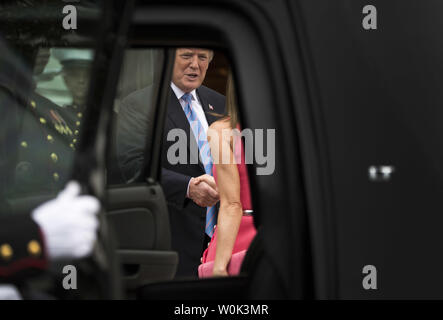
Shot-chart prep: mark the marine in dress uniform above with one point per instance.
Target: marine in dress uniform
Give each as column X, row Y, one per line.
column 76, row 67
column 23, row 251
column 34, row 144
column 22, row 247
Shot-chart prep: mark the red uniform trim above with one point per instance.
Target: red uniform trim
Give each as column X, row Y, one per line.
column 23, row 264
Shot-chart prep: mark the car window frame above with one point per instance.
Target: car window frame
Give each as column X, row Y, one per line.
column 158, row 20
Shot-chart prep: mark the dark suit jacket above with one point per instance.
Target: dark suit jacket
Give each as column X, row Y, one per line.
column 187, row 219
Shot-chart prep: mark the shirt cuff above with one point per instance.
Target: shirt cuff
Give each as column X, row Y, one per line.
column 187, row 190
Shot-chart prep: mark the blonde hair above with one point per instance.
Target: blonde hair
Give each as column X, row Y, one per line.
column 231, row 112
column 231, row 102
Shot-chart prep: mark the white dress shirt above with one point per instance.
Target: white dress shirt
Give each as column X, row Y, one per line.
column 196, row 105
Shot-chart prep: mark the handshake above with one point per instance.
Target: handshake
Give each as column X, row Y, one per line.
column 203, row 191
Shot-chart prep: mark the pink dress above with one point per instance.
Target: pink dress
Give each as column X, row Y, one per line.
column 247, row 230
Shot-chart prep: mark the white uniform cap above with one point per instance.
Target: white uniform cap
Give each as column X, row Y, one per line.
column 73, row 56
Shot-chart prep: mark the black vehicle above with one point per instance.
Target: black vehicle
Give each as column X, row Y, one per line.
column 353, row 207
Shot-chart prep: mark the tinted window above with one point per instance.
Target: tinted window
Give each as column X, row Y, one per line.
column 44, row 83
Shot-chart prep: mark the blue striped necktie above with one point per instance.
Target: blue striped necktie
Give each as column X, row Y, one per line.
column 205, row 155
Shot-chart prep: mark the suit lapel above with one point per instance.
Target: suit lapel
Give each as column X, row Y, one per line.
column 178, row 118
column 176, row 114
column 205, row 105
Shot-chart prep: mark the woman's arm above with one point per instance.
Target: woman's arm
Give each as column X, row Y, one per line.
column 228, row 182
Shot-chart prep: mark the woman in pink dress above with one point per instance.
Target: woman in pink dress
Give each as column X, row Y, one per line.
column 234, row 230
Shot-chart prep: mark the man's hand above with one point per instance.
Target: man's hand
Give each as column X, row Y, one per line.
column 203, row 191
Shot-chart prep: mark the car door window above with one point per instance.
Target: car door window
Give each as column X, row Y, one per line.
column 45, row 81
column 130, row 159
column 139, row 79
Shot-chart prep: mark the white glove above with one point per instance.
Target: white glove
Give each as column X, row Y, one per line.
column 9, row 292
column 69, row 223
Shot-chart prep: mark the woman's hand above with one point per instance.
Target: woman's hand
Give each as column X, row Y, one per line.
column 220, row 272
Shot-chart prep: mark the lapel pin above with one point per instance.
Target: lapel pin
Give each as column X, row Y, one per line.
column 211, row 107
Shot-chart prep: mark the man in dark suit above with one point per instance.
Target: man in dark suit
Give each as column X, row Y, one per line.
column 187, row 201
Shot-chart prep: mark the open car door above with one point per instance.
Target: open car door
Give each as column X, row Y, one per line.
column 136, row 206
column 58, row 135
